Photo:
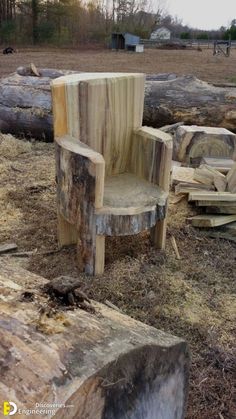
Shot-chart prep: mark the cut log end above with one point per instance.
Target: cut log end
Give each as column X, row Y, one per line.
column 103, row 365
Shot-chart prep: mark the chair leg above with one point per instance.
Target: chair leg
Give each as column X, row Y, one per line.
column 67, row 233
column 91, row 254
column 100, row 255
column 158, row 234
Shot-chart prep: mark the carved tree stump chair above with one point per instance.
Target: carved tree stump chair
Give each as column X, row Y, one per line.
column 112, row 173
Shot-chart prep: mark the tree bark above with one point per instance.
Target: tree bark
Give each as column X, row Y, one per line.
column 25, row 102
column 188, row 99
column 99, row 365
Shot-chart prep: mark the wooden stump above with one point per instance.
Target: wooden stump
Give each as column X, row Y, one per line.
column 69, row 363
column 191, row 143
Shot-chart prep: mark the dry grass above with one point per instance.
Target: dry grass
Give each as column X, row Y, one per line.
column 201, row 64
column 11, row 148
column 192, row 297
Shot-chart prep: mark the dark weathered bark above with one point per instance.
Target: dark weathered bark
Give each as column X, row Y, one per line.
column 190, row 100
column 25, row 102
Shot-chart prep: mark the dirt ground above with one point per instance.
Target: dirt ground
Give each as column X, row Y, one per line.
column 192, row 297
column 201, row 64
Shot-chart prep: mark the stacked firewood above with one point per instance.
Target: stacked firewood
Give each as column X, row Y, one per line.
column 211, row 187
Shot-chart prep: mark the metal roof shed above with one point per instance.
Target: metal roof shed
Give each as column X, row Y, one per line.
column 122, row 40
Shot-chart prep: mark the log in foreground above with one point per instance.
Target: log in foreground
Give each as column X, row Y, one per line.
column 102, row 365
column 25, row 102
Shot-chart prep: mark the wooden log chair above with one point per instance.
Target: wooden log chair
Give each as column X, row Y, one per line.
column 112, row 173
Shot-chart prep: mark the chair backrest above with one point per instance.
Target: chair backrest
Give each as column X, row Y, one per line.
column 100, row 110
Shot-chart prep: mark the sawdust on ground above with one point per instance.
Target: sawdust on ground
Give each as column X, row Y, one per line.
column 192, row 297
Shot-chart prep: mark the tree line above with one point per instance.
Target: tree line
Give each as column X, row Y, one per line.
column 71, row 22
column 76, row 22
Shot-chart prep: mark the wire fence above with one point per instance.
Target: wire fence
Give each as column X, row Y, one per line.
column 206, row 43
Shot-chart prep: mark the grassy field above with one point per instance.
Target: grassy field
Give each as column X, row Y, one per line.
column 192, row 297
column 202, row 64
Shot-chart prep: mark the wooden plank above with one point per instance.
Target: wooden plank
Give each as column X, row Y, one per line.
column 231, row 179
column 7, row 247
column 206, row 220
column 182, row 174
column 203, row 175
column 175, row 163
column 205, row 203
column 175, row 247
column 185, row 188
column 220, row 234
column 223, row 165
column 210, row 176
column 220, row 183
column 212, row 170
column 212, row 196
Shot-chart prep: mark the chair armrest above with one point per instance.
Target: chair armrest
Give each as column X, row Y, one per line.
column 151, row 156
column 80, row 178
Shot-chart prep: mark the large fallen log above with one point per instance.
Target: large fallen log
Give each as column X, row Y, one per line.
column 65, row 362
column 190, row 100
column 25, row 102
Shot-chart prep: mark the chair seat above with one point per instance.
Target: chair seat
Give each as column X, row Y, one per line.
column 130, row 205
column 127, row 190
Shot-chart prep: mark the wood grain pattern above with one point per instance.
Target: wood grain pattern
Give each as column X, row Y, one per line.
column 130, row 205
column 203, row 203
column 183, row 175
column 83, row 360
column 212, row 196
column 148, row 147
column 59, row 110
column 100, row 144
column 231, row 179
column 210, row 176
column 187, row 188
column 194, row 142
column 210, row 220
column 220, row 164
column 102, row 111
column 151, row 159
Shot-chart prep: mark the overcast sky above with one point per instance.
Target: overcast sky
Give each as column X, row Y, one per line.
column 203, row 14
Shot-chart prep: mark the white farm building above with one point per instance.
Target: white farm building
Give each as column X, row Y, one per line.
column 160, row 33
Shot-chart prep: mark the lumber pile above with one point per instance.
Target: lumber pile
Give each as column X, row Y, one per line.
column 212, row 192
